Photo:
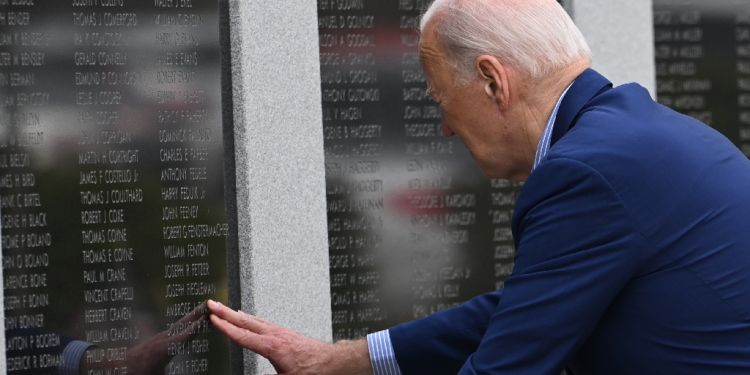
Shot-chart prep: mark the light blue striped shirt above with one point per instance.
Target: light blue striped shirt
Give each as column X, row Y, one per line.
column 543, row 147
column 72, row 357
column 382, row 355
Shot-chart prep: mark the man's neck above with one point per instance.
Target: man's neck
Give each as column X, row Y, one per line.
column 538, row 99
column 547, row 91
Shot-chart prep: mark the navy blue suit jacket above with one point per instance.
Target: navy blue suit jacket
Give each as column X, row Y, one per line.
column 633, row 254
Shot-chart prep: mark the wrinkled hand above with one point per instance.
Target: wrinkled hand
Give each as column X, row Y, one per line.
column 289, row 352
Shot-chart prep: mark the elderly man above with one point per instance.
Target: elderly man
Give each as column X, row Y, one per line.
column 633, row 248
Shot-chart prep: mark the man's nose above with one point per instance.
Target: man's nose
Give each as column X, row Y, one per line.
column 447, row 131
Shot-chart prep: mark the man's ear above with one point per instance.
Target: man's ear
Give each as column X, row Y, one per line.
column 494, row 77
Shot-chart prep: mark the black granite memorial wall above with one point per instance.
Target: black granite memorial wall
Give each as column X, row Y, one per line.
column 703, row 63
column 114, row 226
column 414, row 226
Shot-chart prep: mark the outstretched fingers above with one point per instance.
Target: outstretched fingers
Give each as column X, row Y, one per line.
column 290, row 352
column 242, row 328
column 238, row 318
column 245, row 338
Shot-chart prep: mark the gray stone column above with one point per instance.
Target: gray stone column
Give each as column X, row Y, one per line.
column 279, row 158
column 621, row 36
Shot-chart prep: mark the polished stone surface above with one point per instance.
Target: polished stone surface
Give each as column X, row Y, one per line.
column 111, row 157
column 703, row 63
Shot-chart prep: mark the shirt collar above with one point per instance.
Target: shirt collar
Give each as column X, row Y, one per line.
column 544, row 142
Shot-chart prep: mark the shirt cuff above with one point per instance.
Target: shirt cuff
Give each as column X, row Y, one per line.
column 382, row 355
column 72, row 357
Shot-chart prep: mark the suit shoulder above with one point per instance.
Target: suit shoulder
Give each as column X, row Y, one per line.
column 626, row 128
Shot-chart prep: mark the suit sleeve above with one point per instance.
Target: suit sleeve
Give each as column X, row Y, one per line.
column 577, row 248
column 26, row 347
column 441, row 343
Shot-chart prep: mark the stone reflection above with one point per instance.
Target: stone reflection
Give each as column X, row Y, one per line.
column 111, row 184
column 40, row 352
column 150, row 357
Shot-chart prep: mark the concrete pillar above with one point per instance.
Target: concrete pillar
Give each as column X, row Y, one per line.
column 621, row 36
column 279, row 165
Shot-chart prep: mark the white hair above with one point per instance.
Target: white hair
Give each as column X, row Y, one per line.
column 536, row 36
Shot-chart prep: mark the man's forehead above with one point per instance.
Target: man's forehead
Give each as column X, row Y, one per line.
column 430, row 50
column 429, row 54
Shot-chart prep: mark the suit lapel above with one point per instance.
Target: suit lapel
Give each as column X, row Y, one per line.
column 587, row 86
